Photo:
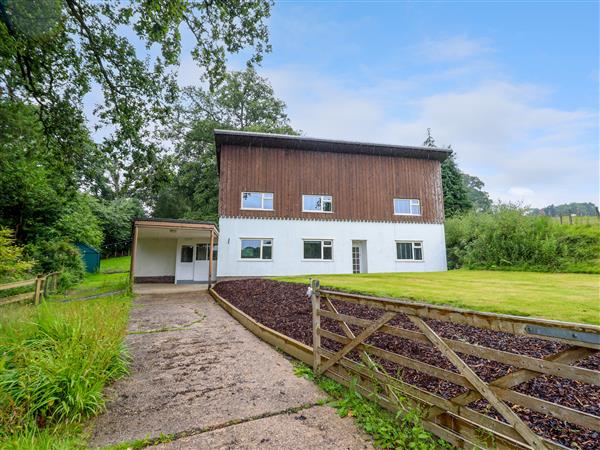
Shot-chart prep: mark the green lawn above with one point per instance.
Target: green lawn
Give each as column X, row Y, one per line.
column 110, row 278
column 558, row 296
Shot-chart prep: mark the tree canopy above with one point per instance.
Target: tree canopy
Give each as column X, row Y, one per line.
column 244, row 101
column 55, row 52
column 456, row 198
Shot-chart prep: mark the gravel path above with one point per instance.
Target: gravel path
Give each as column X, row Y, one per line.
column 199, row 375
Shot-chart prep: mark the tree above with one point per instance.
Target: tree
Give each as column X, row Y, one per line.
column 245, row 101
column 53, row 52
column 479, row 198
column 13, row 264
column 456, row 199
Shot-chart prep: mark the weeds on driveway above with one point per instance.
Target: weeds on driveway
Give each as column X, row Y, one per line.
column 389, row 431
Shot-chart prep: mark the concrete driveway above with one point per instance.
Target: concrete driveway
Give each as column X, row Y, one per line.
column 199, row 375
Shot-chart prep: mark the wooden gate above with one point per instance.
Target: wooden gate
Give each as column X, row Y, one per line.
column 453, row 419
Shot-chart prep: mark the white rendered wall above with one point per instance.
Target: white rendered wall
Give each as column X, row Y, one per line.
column 155, row 257
column 287, row 238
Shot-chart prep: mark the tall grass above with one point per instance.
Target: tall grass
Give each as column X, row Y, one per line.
column 509, row 240
column 55, row 361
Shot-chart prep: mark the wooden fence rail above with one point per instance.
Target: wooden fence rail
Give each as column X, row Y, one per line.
column 43, row 285
column 453, row 419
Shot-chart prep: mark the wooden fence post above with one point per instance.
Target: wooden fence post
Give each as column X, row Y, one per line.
column 315, row 298
column 38, row 289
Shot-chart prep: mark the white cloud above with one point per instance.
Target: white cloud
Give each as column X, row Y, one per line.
column 452, row 48
column 502, row 132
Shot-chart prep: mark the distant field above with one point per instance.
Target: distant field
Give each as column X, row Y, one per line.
column 579, row 220
column 558, row 296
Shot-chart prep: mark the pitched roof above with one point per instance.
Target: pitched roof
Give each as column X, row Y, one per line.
column 245, row 138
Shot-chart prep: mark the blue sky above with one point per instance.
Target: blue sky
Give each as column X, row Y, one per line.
column 512, row 86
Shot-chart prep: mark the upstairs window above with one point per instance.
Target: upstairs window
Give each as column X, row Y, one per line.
column 409, row 251
column 257, row 200
column 317, row 203
column 318, row 249
column 407, row 207
column 258, row 249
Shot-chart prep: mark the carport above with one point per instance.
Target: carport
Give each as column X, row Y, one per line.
column 171, row 251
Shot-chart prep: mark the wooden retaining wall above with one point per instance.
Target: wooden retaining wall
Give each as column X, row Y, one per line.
column 451, row 419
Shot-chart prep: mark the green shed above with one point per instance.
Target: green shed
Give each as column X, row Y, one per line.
column 90, row 256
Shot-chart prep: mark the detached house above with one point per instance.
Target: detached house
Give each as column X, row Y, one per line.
column 291, row 205
column 296, row 205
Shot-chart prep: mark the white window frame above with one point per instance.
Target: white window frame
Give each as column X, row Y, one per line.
column 323, row 197
column 260, row 258
column 420, row 243
column 322, row 241
column 263, row 195
column 411, row 202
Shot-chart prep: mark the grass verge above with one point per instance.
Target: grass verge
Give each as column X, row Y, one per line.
column 55, row 360
column 389, row 431
column 559, row 296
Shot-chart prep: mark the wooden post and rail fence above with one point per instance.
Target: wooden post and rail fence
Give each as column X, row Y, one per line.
column 453, row 419
column 43, row 285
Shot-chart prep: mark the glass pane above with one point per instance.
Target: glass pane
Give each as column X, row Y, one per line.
column 404, row 250
column 327, row 252
column 327, row 204
column 215, row 252
column 202, row 252
column 312, row 203
column 401, row 206
column 250, row 248
column 327, row 243
column 251, row 200
column 312, row 249
column 415, row 207
column 268, row 203
column 187, row 253
column 267, row 252
column 418, row 253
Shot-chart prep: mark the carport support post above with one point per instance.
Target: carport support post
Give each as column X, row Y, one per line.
column 315, row 298
column 133, row 253
column 210, row 259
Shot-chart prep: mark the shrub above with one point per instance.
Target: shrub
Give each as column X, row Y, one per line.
column 13, row 264
column 508, row 239
column 58, row 255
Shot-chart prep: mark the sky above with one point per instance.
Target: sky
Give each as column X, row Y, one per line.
column 512, row 86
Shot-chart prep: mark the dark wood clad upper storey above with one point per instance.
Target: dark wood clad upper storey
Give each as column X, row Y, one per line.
column 363, row 185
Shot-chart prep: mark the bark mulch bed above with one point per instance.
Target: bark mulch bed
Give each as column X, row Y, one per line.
column 285, row 308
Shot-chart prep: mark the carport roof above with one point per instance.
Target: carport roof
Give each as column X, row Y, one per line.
column 174, row 228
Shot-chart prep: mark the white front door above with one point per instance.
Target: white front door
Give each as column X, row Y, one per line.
column 193, row 262
column 185, row 265
column 202, row 262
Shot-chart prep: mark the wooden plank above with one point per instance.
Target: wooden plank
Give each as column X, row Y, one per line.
column 17, row 284
column 542, row 366
column 38, row 289
column 496, row 322
column 510, row 380
column 210, row 259
column 357, row 340
column 511, row 417
column 429, row 401
column 316, row 326
column 404, row 361
column 133, row 254
column 16, row 298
